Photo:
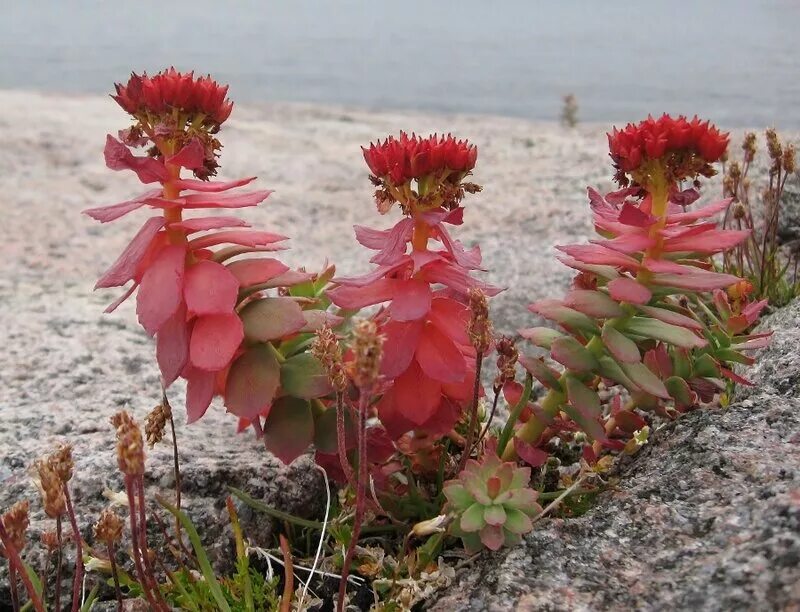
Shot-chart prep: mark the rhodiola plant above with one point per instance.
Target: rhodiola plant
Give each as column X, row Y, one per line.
column 201, row 282
column 640, row 314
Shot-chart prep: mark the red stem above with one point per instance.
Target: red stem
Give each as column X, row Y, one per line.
column 115, row 575
column 76, row 535
column 137, row 555
column 59, row 564
column 341, row 441
column 363, row 402
column 473, row 415
column 148, row 567
column 16, row 566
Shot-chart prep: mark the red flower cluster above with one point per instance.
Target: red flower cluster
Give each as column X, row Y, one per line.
column 401, row 160
column 170, row 89
column 653, row 138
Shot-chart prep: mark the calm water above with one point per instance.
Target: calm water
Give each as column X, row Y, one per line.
column 734, row 61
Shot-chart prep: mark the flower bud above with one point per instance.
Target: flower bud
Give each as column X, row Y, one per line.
column 368, row 347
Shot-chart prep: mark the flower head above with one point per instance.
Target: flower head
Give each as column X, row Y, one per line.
column 16, row 521
column 108, row 527
column 55, row 504
column 170, row 90
column 685, row 148
column 437, row 163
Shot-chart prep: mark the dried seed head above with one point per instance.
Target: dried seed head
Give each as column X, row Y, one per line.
column 49, row 540
column 16, row 522
column 326, row 349
column 130, row 446
column 108, row 527
column 774, row 147
column 155, row 424
column 507, row 356
column 739, row 211
column 480, row 327
column 61, row 462
column 368, row 348
column 50, row 486
column 735, row 171
column 789, row 161
column 749, row 146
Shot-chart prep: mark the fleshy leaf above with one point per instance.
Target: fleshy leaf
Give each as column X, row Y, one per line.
column 251, row 272
column 556, row 311
column 593, row 303
column 494, row 515
column 303, row 376
column 645, row 379
column 289, row 428
column 215, row 340
column 625, row 289
column 572, row 354
column 658, row 330
column 209, row 288
column 541, row 336
column 439, row 357
column 124, row 269
column 535, row 457
column 161, row 290
column 672, row 317
column 172, row 346
column 680, row 392
column 252, row 382
column 541, row 371
column 619, row 345
column 271, row 318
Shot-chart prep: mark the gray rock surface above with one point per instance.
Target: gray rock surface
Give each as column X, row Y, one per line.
column 705, row 517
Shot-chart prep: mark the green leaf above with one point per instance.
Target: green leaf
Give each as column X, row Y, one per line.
column 90, row 599
column 457, row 494
column 472, row 519
column 541, row 336
column 517, row 521
column 584, row 408
column 494, row 515
column 200, row 553
column 289, row 428
column 593, row 303
column 271, row 318
column 252, row 382
column 572, row 354
column 658, row 330
column 644, row 378
column 541, row 371
column 555, row 311
column 619, row 345
column 325, row 435
column 608, row 368
column 303, row 376
column 681, row 362
column 732, row 356
column 705, row 367
column 274, row 512
column 680, row 391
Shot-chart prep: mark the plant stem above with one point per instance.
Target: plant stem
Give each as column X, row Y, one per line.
column 341, row 441
column 77, row 581
column 12, row 584
column 532, row 430
column 491, row 415
column 288, row 573
column 363, row 404
column 508, row 430
column 473, row 415
column 137, row 555
column 115, row 575
column 59, row 563
column 148, row 567
column 16, row 565
column 177, row 465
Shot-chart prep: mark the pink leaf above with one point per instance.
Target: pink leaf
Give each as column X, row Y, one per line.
column 456, row 278
column 700, row 280
column 620, row 346
column 709, row 242
column 204, row 200
column 572, row 354
column 252, row 382
column 535, row 457
column 394, row 245
column 593, row 303
column 316, row 319
column 633, row 215
column 377, row 273
column 201, row 224
column 116, row 303
column 215, row 340
column 248, row 238
column 251, row 272
column 439, row 357
column 670, row 316
column 119, row 157
column 161, row 289
column 271, row 318
column 701, row 213
column 104, row 214
column 411, row 301
column 492, row 537
column 124, row 269
column 629, row 243
column 598, row 254
column 172, row 346
column 625, row 289
column 211, row 186
column 399, row 346
column 356, row 297
column 199, row 393
column 191, row 156
column 370, row 237
column 210, row 288
column 452, row 318
column 417, row 395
